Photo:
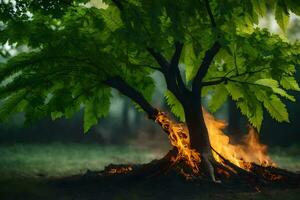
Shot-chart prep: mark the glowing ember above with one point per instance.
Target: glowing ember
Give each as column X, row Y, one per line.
column 180, row 139
column 120, row 170
column 273, row 177
column 242, row 155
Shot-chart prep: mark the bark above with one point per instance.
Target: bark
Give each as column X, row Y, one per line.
column 199, row 138
column 194, row 118
column 197, row 129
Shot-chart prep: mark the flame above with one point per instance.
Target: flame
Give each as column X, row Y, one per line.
column 179, row 138
column 242, row 155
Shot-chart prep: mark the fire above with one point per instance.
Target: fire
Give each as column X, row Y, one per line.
column 179, row 138
column 242, row 155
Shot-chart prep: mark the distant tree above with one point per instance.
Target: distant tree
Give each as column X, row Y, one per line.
column 78, row 53
column 236, row 124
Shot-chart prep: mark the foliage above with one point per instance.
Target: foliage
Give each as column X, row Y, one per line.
column 256, row 74
column 174, row 104
column 75, row 48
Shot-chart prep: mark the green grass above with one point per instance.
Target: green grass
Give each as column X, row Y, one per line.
column 26, row 168
column 57, row 160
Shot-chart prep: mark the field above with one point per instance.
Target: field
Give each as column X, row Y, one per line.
column 25, row 170
column 57, row 160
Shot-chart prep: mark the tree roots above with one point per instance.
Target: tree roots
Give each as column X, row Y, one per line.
column 223, row 172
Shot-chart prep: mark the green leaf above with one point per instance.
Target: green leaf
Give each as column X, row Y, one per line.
column 175, row 105
column 89, row 117
column 289, row 83
column 273, row 84
column 13, row 104
column 190, row 61
column 268, row 82
column 253, row 110
column 282, row 15
column 234, row 90
column 56, row 115
column 218, row 98
column 273, row 104
column 96, row 108
column 257, row 117
column 277, row 109
column 259, row 6
column 283, row 93
column 246, row 102
column 112, row 18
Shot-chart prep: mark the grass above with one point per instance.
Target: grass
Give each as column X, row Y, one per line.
column 57, row 160
column 26, row 168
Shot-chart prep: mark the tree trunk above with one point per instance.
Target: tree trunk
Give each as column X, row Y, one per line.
column 199, row 138
column 197, row 129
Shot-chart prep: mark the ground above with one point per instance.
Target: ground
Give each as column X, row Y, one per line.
column 39, row 172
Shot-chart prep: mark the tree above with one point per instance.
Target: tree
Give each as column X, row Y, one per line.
column 78, row 53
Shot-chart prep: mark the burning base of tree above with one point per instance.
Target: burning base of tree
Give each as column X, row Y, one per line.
column 244, row 163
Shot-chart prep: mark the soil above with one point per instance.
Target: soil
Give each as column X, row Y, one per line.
column 100, row 185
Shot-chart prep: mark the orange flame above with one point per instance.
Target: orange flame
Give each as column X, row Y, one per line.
column 179, row 138
column 242, row 155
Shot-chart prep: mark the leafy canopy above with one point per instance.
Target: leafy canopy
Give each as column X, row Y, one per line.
column 75, row 48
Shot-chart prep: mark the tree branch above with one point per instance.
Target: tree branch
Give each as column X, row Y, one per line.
column 171, row 72
column 210, row 14
column 160, row 59
column 176, row 56
column 123, row 87
column 225, row 78
column 208, row 58
column 170, row 69
column 174, row 67
column 247, row 83
column 216, row 82
column 250, row 72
